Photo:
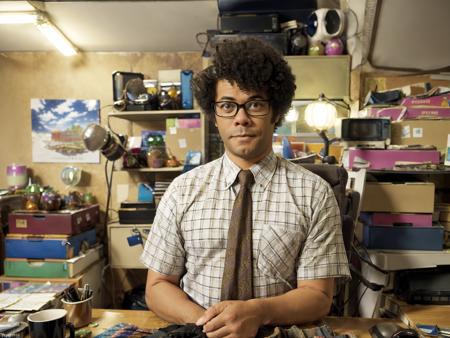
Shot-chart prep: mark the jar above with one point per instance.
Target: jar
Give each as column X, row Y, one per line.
column 16, row 176
column 156, row 156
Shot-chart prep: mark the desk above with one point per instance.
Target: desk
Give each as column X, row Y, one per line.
column 147, row 319
column 411, row 315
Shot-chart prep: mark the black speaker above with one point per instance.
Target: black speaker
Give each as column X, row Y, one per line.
column 120, row 80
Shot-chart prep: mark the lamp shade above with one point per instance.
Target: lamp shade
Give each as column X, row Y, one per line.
column 95, row 137
column 320, row 115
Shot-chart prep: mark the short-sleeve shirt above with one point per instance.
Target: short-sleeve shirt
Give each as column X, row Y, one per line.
column 296, row 228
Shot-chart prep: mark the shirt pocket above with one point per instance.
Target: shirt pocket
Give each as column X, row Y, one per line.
column 278, row 250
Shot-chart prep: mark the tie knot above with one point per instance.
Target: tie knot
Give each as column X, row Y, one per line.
column 246, row 178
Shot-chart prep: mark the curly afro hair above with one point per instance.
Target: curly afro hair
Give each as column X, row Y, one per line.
column 254, row 66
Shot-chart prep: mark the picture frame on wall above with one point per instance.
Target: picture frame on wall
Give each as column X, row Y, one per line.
column 56, row 130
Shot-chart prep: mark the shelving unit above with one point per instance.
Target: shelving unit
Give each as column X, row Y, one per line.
column 155, row 119
column 395, row 260
column 152, row 115
column 155, row 170
column 122, row 255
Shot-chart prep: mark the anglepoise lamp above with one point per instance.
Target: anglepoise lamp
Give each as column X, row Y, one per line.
column 321, row 115
column 111, row 145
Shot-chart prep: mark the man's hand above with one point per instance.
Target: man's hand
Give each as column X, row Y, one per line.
column 231, row 319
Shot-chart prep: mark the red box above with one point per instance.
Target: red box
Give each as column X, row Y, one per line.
column 62, row 222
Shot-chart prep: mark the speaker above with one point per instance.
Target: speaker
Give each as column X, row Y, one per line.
column 249, row 23
column 120, row 80
column 325, row 24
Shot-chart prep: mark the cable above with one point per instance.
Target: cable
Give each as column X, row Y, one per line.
column 108, row 191
column 356, row 33
column 359, row 302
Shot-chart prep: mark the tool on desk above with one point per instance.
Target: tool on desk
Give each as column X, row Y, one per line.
column 72, row 295
column 433, row 330
column 87, row 292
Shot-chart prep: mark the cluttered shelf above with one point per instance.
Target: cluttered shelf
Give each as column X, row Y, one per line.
column 152, row 114
column 155, row 170
column 439, row 171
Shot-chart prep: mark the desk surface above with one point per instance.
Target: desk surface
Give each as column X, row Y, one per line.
column 421, row 314
column 427, row 314
column 147, row 319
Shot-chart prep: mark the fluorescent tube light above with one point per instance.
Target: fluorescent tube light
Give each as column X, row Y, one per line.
column 17, row 18
column 54, row 35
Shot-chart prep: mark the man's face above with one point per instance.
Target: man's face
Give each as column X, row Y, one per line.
column 247, row 139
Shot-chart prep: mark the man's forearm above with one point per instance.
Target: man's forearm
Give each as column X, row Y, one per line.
column 170, row 303
column 297, row 306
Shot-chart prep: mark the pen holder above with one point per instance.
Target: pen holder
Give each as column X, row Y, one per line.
column 79, row 313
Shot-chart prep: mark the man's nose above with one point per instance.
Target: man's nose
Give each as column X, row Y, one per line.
column 241, row 117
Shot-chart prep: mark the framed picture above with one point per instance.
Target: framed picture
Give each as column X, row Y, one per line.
column 57, row 127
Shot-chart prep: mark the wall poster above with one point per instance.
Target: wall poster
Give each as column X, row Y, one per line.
column 57, row 127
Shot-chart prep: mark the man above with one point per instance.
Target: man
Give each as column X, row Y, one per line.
column 296, row 241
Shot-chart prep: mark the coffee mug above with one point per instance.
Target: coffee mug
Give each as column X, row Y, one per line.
column 49, row 323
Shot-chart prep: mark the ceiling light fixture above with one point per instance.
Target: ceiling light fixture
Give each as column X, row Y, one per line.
column 50, row 31
column 54, row 35
column 17, row 18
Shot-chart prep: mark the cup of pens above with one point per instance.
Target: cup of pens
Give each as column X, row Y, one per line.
column 78, row 304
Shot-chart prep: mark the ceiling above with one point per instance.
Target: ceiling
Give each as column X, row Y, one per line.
column 116, row 26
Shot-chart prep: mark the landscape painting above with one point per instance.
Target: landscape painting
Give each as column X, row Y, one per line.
column 57, row 126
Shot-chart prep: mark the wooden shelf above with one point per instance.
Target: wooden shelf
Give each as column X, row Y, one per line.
column 410, row 171
column 152, row 114
column 154, row 170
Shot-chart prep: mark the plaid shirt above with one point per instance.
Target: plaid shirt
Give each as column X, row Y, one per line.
column 296, row 228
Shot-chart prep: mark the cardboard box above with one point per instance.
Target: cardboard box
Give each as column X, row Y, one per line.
column 397, row 219
column 403, row 237
column 410, row 197
column 179, row 140
column 52, row 268
column 61, row 222
column 386, row 158
column 442, row 100
column 323, row 75
column 396, row 113
column 423, row 132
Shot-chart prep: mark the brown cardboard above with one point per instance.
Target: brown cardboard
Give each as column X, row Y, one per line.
column 180, row 140
column 444, row 216
column 423, row 132
column 413, row 197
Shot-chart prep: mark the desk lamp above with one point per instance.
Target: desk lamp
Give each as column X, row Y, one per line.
column 111, row 145
column 321, row 115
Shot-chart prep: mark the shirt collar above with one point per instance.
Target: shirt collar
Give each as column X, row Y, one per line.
column 263, row 171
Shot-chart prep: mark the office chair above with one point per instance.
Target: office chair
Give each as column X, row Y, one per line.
column 348, row 202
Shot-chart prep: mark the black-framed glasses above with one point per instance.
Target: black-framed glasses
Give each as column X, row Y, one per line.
column 229, row 109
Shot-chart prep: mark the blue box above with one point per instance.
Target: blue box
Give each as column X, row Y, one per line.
column 403, row 237
column 48, row 246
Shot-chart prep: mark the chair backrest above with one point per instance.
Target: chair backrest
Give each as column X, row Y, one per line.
column 348, row 203
column 335, row 176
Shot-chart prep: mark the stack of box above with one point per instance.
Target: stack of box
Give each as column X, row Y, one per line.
column 399, row 216
column 419, row 121
column 52, row 245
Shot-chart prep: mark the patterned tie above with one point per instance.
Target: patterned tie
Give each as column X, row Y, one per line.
column 237, row 280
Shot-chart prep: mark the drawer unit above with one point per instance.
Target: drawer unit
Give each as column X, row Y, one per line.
column 121, row 253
